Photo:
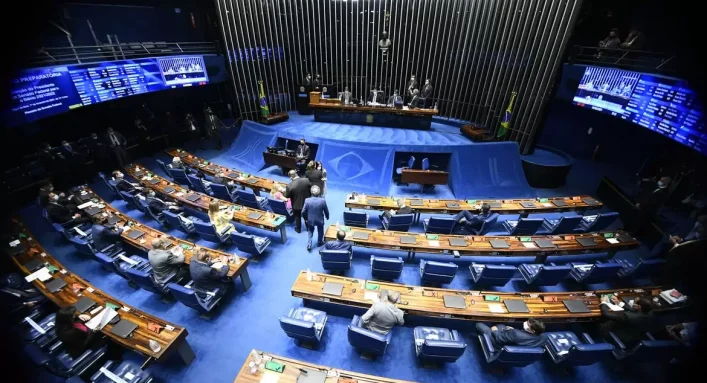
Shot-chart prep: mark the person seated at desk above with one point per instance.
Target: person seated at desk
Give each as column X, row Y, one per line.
column 220, row 178
column 415, row 101
column 395, row 100
column 278, row 192
column 340, row 244
column 178, row 164
column 685, row 333
column 166, row 262
column 383, row 315
column 207, row 274
column 47, row 189
column 157, row 206
column 65, row 215
column 471, row 221
column 105, row 235
column 502, row 335
column 73, row 334
column 17, row 294
column 404, row 209
column 302, row 155
column 220, row 217
column 697, row 232
column 123, row 185
column 315, row 211
column 631, row 324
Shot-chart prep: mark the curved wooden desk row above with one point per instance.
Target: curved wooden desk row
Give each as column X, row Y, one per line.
column 482, row 245
column 294, row 368
column 267, row 221
column 429, row 302
column 238, row 266
column 244, row 179
column 170, row 338
column 380, row 109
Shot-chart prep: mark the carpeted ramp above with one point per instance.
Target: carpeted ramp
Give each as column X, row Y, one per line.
column 357, row 167
column 247, row 150
column 491, row 170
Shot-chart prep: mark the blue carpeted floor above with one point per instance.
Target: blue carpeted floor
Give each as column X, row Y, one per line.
column 248, row 320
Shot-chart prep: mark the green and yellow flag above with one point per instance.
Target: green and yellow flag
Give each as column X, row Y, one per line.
column 506, row 122
column 264, row 110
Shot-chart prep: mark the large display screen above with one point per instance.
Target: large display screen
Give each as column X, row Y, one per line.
column 662, row 104
column 43, row 92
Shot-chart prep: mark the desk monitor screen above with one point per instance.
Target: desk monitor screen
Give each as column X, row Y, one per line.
column 193, row 197
column 360, row 235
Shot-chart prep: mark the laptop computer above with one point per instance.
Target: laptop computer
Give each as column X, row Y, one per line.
column 252, row 181
column 625, row 238
column 123, row 328
column 82, row 198
column 212, row 167
column 112, row 220
column 360, row 235
column 457, row 242
column 587, row 242
column 575, row 306
column 559, row 202
column 233, row 175
column 254, row 215
column 33, row 265
column 545, row 244
column 333, row 288
column 416, row 202
column 93, row 210
column 135, row 234
column 154, row 181
column 527, row 204
column 454, row 302
column 139, row 173
column 169, row 190
column 494, row 205
column 55, row 285
column 590, row 201
column 84, row 304
column 312, row 376
column 408, row 240
column 516, row 306
column 373, row 201
column 499, row 244
column 193, row 197
column 452, row 204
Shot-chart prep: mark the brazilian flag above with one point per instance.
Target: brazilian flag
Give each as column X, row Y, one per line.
column 263, row 101
column 506, row 123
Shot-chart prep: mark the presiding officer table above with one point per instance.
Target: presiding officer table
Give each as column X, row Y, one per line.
column 333, row 111
column 484, row 245
column 429, row 302
column 267, row 220
column 293, row 369
column 169, row 336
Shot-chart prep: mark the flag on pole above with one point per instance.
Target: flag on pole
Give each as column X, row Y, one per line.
column 264, row 110
column 506, row 123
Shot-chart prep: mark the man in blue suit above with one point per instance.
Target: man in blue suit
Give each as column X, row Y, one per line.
column 209, row 274
column 502, row 335
column 473, row 222
column 315, row 211
column 340, row 243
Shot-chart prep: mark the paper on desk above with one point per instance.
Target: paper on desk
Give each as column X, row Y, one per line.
column 179, row 194
column 371, row 296
column 529, row 245
column 496, row 308
column 217, row 265
column 614, row 307
column 85, row 205
column 433, row 243
column 14, row 243
column 100, row 321
column 547, row 204
column 270, row 377
column 41, row 274
column 612, row 240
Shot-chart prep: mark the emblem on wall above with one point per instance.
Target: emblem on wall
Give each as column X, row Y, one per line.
column 369, row 118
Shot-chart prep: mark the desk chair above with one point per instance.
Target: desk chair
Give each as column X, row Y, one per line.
column 140, row 203
column 512, row 356
column 187, row 295
column 129, row 198
column 165, row 168
column 129, row 372
column 565, row 347
column 426, row 166
column 523, row 226
column 46, row 324
column 159, row 216
column 439, row 225
column 179, row 176
column 304, row 324
column 437, row 272
column 248, row 198
column 399, row 171
column 356, row 219
column 185, row 223
column 648, row 350
column 596, row 273
column 207, row 231
column 543, row 275
column 198, row 184
column 638, row 267
column 386, row 268
column 336, row 260
column 563, row 225
column 398, row 222
column 221, row 192
column 486, row 225
column 367, row 341
column 109, row 183
column 250, row 244
column 60, row 363
column 491, row 275
column 597, row 222
column 438, row 345
column 280, row 207
column 144, row 280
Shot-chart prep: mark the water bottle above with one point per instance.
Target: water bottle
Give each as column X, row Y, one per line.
column 154, row 346
column 337, row 225
column 435, row 106
column 256, row 357
column 309, row 275
column 237, row 260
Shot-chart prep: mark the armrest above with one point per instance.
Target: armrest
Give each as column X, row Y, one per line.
column 354, row 326
column 615, row 339
column 188, row 285
column 587, row 338
column 224, row 230
column 486, row 338
column 650, row 336
column 455, row 335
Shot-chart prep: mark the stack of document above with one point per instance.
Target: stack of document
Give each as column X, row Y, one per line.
column 672, row 296
column 99, row 321
column 41, row 274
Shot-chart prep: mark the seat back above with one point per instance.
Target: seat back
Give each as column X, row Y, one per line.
column 566, row 225
column 496, row 275
column 550, row 275
column 221, row 192
column 186, row 296
column 386, row 268
column 602, row 221
column 411, row 162
column 108, row 182
column 196, row 183
column 425, row 163
column 335, row 259
column 655, row 350
column 171, row 219
column 165, row 168
column 279, row 207
column 438, row 271
column 207, row 231
column 157, row 216
column 355, row 218
column 298, row 329
column 401, row 222
column 128, row 371
column 602, row 272
column 442, row 350
column 82, row 246
column 247, row 198
column 440, row 225
column 648, row 267
column 128, row 197
column 144, row 280
column 587, row 354
column 366, row 340
column 527, row 226
column 140, row 204
column 488, row 223
column 244, row 242
column 179, row 176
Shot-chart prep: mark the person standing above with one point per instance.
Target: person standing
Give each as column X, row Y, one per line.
column 314, row 175
column 318, row 165
column 302, row 155
column 117, row 143
column 297, row 191
column 315, row 212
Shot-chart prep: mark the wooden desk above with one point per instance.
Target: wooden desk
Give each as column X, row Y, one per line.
column 268, row 221
column 238, row 266
column 424, row 177
column 507, row 206
column 373, row 115
column 429, row 302
column 281, row 160
column 292, row 368
column 170, row 339
column 255, row 183
column 481, row 245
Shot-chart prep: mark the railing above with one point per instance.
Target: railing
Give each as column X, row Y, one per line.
column 630, row 59
column 117, row 51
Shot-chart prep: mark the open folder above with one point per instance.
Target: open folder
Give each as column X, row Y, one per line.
column 99, row 321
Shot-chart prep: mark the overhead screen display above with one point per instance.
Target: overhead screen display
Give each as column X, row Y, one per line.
column 662, row 104
column 43, row 92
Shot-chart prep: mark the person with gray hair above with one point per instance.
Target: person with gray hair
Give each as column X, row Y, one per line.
column 297, row 191
column 315, row 212
column 383, row 315
column 166, row 263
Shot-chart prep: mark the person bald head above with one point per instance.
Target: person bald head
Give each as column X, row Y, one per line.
column 340, row 235
column 157, row 243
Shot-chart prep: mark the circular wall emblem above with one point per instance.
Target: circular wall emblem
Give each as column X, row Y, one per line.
column 301, row 89
column 324, row 90
column 369, row 118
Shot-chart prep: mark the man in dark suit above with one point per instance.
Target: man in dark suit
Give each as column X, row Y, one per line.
column 122, row 184
column 75, row 160
column 473, row 221
column 178, row 164
column 55, row 163
column 404, row 209
column 631, row 324
column 529, row 336
column 206, row 277
column 97, row 151
column 650, row 201
column 61, row 214
column 315, row 211
column 220, row 178
column 415, row 101
column 47, row 189
column 302, row 155
column 116, row 142
column 105, row 235
column 157, row 206
column 340, row 243
column 297, row 191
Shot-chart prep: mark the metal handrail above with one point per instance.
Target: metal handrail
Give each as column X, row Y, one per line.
column 624, row 58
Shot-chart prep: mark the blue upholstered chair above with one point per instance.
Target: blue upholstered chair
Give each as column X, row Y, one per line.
column 523, row 226
column 144, row 280
column 207, row 231
column 355, row 218
column 280, row 207
column 491, row 275
column 46, row 324
column 398, row 222
column 221, row 192
column 188, row 296
column 157, row 216
column 304, row 324
column 437, row 272
column 336, row 259
column 597, row 222
column 386, row 268
column 596, row 273
column 563, row 225
column 129, row 198
column 109, row 183
column 60, row 363
column 439, row 225
column 186, row 224
column 120, row 263
column 198, row 184
column 487, row 224
column 365, row 340
column 565, row 347
column 129, row 372
column 179, row 176
column 247, row 198
column 543, row 275
column 409, row 165
column 141, row 204
column 250, row 244
column 512, row 356
column 638, row 267
column 439, row 345
column 165, row 168
column 648, row 350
